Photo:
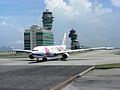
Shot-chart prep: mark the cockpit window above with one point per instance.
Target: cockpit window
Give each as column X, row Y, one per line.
column 35, row 50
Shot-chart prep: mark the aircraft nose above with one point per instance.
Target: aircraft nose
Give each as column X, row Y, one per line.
column 33, row 52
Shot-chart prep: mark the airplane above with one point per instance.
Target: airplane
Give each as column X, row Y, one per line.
column 53, row 51
column 48, row 51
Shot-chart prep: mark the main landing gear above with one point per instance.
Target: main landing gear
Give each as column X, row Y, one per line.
column 43, row 59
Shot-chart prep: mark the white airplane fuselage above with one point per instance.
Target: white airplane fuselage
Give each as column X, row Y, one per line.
column 47, row 51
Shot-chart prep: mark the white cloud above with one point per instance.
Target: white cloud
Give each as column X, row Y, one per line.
column 59, row 6
column 75, row 12
column 72, row 9
column 5, row 17
column 116, row 3
column 9, row 23
column 89, row 18
column 76, row 7
column 98, row 9
column 3, row 23
column 6, row 21
column 81, row 6
column 10, row 31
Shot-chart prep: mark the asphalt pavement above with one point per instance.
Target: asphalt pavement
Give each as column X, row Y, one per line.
column 19, row 77
column 23, row 74
column 98, row 79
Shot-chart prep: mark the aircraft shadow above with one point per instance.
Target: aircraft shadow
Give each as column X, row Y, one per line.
column 77, row 59
column 40, row 61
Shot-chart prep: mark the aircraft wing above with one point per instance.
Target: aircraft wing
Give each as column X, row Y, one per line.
column 82, row 50
column 71, row 51
column 20, row 50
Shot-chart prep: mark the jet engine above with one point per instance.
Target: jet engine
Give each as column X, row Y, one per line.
column 65, row 56
column 31, row 56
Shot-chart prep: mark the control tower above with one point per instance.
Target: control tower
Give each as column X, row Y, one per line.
column 40, row 36
column 74, row 42
column 47, row 19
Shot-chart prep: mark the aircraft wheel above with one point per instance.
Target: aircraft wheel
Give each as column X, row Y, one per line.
column 44, row 59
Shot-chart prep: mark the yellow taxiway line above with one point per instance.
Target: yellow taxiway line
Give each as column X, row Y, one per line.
column 63, row 84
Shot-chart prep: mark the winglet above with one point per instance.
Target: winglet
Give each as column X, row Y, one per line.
column 64, row 39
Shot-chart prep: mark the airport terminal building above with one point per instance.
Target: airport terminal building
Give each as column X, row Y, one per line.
column 37, row 36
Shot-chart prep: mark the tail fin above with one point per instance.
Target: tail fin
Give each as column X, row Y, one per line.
column 64, row 39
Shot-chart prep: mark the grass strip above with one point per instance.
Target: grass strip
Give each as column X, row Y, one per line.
column 118, row 53
column 108, row 66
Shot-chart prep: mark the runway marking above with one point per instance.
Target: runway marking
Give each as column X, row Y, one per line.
column 63, row 84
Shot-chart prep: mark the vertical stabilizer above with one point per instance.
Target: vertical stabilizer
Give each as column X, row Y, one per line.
column 64, row 39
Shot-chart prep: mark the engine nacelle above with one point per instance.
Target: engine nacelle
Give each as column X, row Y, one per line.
column 65, row 55
column 31, row 56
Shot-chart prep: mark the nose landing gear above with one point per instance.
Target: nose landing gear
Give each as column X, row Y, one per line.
column 44, row 59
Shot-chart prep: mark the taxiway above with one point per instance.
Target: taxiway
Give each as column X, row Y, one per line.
column 24, row 74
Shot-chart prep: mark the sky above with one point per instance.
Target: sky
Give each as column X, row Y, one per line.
column 95, row 21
